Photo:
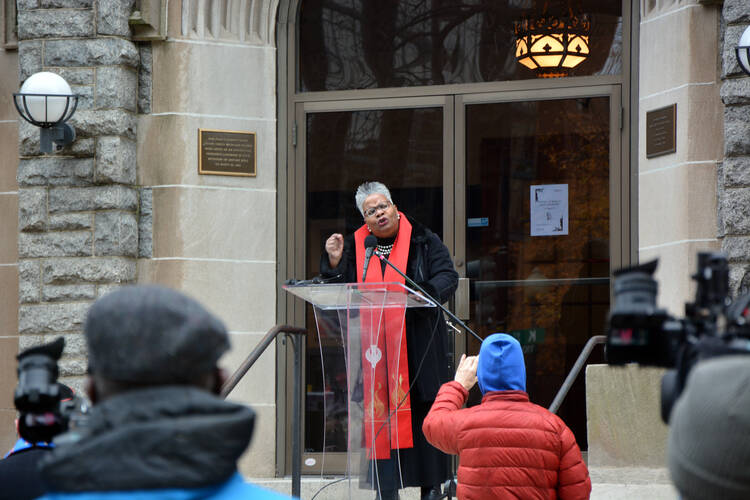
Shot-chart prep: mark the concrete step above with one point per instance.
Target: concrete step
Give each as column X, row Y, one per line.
column 608, row 483
column 329, row 488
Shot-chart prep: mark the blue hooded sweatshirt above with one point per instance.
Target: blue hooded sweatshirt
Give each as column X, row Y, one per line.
column 501, row 366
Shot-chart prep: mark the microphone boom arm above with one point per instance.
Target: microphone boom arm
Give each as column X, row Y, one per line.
column 437, row 302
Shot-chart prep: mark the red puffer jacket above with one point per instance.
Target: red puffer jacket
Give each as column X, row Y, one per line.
column 508, row 447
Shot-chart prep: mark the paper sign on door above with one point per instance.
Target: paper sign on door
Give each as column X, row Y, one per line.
column 549, row 210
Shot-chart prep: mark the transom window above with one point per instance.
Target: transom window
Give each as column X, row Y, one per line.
column 363, row 44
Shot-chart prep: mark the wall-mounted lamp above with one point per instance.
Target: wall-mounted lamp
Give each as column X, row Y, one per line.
column 45, row 100
column 743, row 51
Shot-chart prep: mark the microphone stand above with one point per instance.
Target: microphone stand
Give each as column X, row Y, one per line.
column 433, row 299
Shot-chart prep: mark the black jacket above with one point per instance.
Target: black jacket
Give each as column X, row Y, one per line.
column 430, row 266
column 160, row 437
column 19, row 477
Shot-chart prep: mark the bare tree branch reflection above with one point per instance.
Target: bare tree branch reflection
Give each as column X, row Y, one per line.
column 357, row 44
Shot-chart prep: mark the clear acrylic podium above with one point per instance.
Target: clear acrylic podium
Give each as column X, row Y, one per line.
column 367, row 320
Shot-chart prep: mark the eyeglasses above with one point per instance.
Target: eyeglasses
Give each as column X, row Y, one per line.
column 373, row 210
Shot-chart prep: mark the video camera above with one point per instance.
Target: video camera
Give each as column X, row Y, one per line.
column 44, row 410
column 640, row 332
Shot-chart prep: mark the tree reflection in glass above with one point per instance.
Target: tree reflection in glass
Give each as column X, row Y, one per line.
column 359, row 44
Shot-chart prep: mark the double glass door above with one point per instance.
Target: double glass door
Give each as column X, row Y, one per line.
column 523, row 188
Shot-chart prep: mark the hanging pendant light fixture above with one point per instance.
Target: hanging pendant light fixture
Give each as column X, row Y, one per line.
column 552, row 45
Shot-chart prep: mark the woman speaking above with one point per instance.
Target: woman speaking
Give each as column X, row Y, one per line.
column 403, row 456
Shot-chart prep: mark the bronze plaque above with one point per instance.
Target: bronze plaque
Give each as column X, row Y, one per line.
column 223, row 152
column 661, row 131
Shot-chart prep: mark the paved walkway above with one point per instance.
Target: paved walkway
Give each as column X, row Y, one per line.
column 621, row 483
column 608, row 484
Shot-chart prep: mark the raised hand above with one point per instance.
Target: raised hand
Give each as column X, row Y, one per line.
column 466, row 373
column 334, row 249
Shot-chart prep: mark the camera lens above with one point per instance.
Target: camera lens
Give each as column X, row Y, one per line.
column 635, row 292
column 37, row 390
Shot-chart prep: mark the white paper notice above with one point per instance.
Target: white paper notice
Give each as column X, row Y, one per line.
column 549, row 210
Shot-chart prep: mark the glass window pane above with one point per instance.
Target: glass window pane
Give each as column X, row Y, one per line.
column 402, row 148
column 550, row 291
column 360, row 44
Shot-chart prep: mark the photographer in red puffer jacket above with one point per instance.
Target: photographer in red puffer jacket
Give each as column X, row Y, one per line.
column 508, row 447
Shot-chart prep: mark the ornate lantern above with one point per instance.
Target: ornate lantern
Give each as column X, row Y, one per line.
column 551, row 45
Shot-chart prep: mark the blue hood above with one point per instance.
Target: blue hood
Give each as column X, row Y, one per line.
column 501, row 366
column 22, row 444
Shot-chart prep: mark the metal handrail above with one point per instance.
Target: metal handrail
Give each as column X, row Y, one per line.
column 573, row 374
column 269, row 337
column 295, row 334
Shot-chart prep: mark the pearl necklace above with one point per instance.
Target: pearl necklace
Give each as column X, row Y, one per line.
column 385, row 249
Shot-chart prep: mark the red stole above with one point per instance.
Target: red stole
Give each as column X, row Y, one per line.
column 387, row 417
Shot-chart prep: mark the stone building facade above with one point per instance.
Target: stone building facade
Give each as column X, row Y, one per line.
column 686, row 200
column 732, row 179
column 125, row 202
column 79, row 222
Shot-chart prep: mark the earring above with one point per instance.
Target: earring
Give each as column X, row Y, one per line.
column 369, row 228
column 399, row 216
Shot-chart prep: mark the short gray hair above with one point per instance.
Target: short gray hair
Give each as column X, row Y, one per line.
column 369, row 188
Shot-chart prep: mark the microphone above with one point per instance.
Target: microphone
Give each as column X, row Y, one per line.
column 370, row 242
column 433, row 299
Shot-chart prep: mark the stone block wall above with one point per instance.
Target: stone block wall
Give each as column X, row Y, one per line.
column 78, row 208
column 734, row 181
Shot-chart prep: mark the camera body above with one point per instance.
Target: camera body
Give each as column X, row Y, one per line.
column 640, row 332
column 44, row 408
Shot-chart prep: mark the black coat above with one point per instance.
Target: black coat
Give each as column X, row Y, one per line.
column 194, row 438
column 430, row 266
column 20, row 478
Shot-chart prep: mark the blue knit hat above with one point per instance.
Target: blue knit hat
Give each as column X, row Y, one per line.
column 500, row 366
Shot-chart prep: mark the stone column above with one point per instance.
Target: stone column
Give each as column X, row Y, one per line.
column 734, row 183
column 679, row 188
column 8, row 243
column 78, row 207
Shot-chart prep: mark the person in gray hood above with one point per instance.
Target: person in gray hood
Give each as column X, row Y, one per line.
column 157, row 428
column 708, row 449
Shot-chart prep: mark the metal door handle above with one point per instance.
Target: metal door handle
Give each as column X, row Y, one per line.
column 462, row 299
